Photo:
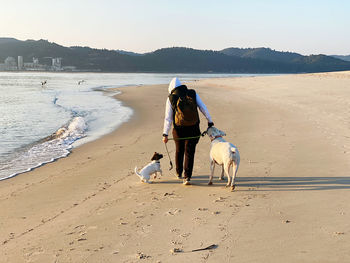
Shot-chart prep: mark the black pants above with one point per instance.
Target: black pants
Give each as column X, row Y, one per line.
column 185, row 148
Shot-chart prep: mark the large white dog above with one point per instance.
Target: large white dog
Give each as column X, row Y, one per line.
column 223, row 153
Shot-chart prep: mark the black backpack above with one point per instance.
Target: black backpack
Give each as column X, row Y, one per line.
column 184, row 105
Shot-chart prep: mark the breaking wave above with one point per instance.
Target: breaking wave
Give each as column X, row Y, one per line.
column 55, row 146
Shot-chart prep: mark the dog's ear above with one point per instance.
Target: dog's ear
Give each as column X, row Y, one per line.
column 154, row 157
column 222, row 133
column 157, row 156
column 215, row 132
column 210, row 131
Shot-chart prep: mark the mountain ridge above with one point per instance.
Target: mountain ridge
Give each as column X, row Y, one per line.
column 342, row 57
column 172, row 59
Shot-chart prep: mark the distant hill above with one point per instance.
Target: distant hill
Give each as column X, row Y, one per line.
column 8, row 40
column 41, row 49
column 345, row 58
column 176, row 59
column 128, row 53
column 262, row 53
column 320, row 63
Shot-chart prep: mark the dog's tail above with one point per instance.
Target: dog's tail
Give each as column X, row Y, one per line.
column 137, row 173
column 233, row 154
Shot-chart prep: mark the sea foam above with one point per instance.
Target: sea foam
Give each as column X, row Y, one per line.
column 55, row 146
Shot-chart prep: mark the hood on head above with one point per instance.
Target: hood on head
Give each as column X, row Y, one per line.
column 174, row 83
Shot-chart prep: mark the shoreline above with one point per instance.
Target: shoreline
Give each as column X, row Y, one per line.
column 291, row 196
column 75, row 136
column 81, row 141
column 116, row 96
column 75, row 148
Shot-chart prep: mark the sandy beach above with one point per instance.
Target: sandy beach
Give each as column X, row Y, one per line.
column 291, row 202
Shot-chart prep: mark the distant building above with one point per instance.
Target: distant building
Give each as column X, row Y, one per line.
column 10, row 63
column 35, row 61
column 35, row 66
column 20, row 63
column 56, row 64
column 28, row 65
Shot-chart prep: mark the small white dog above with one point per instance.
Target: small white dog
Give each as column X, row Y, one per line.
column 223, row 153
column 151, row 168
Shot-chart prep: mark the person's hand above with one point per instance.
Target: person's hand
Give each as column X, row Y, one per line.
column 210, row 124
column 165, row 138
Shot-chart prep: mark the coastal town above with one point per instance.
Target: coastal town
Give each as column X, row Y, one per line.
column 51, row 64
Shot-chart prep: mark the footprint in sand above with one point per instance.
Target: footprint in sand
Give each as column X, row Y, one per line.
column 78, row 229
column 34, row 251
column 173, row 211
column 176, row 250
column 219, row 199
column 141, row 255
column 185, row 235
column 221, row 227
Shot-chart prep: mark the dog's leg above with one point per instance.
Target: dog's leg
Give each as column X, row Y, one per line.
column 234, row 173
column 222, row 173
column 161, row 172
column 145, row 181
column 212, row 167
column 227, row 172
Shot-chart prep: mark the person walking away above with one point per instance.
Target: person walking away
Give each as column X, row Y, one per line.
column 181, row 112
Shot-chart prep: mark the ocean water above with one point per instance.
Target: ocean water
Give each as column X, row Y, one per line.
column 42, row 123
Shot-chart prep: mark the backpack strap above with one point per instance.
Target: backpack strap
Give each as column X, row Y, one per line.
column 173, row 99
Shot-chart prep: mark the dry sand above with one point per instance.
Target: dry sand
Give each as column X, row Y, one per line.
column 291, row 203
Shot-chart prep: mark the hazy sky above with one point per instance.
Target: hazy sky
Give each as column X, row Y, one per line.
column 306, row 27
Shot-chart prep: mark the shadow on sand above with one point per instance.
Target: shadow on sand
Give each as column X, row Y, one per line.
column 294, row 183
column 271, row 183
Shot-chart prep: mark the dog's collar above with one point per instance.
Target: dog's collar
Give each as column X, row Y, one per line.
column 156, row 161
column 218, row 136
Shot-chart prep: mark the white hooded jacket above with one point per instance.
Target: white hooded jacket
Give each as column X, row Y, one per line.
column 168, row 119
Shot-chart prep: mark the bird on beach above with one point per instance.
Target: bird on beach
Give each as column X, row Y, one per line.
column 43, row 83
column 80, row 81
